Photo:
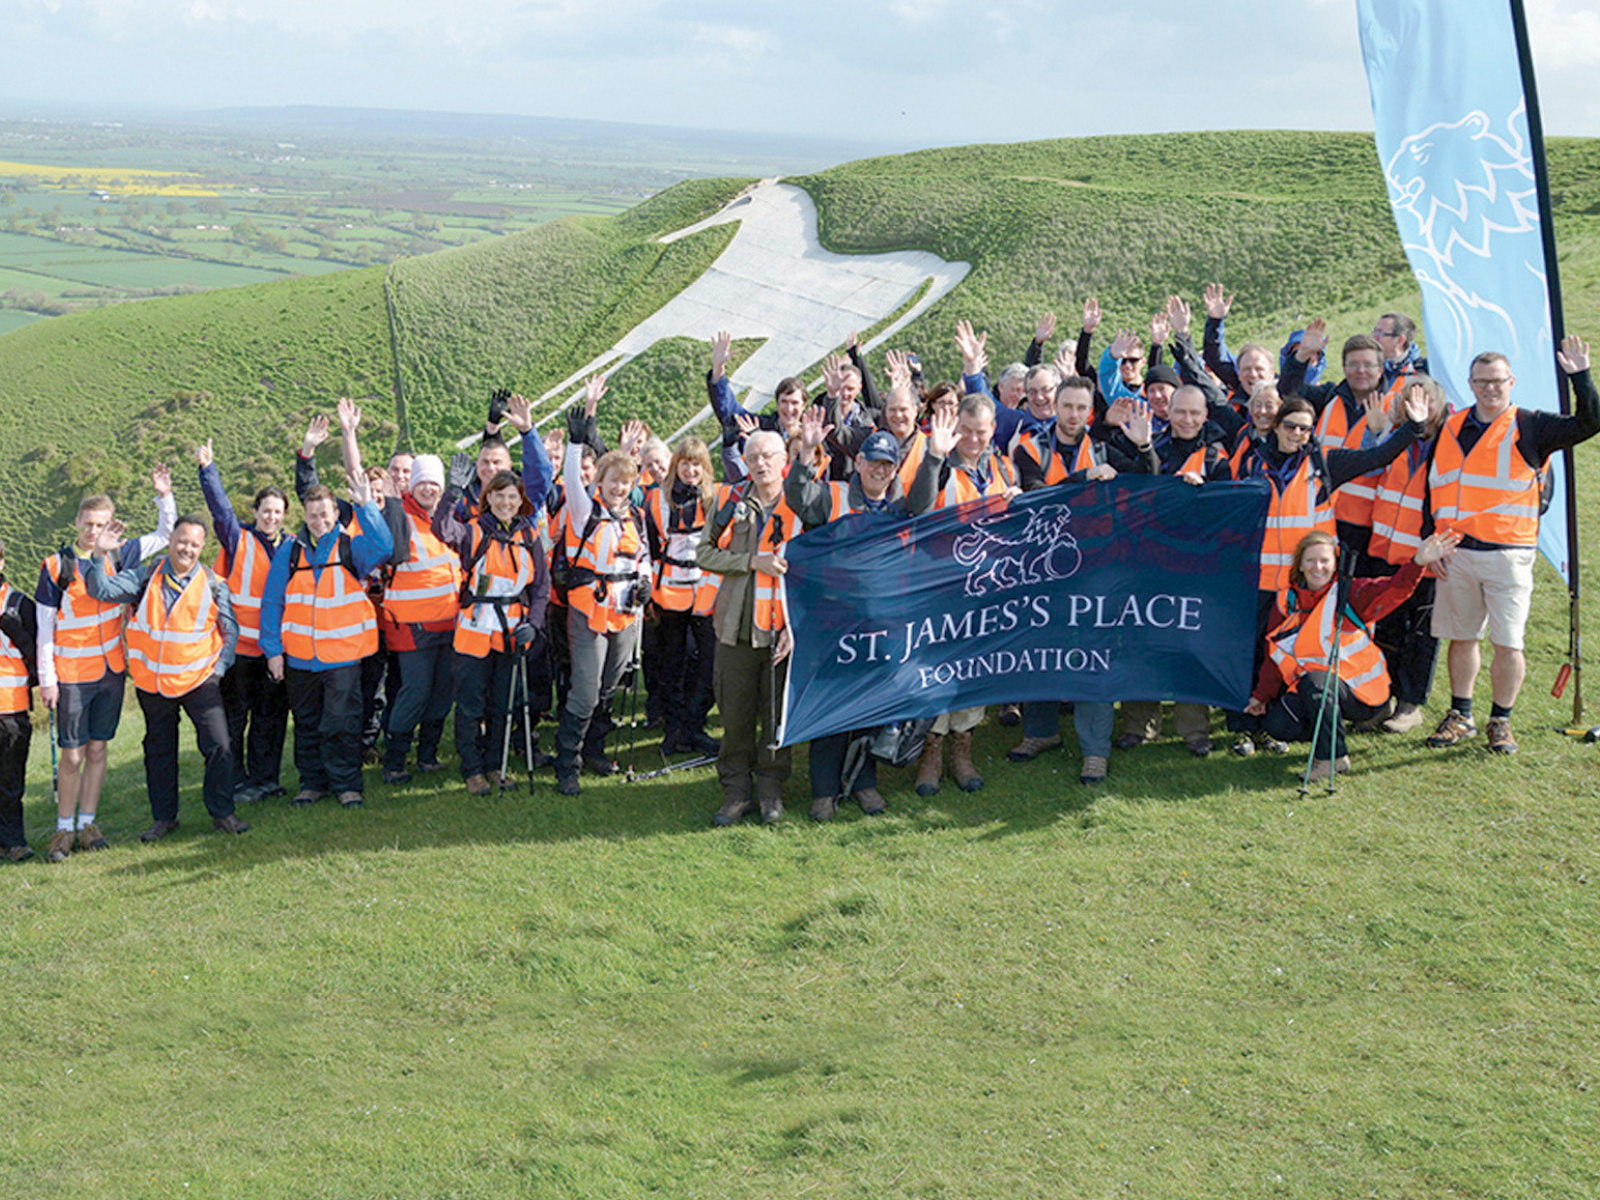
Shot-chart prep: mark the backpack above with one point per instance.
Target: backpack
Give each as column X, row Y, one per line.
column 19, row 621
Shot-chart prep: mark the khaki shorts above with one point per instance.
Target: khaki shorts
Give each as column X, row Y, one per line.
column 1485, row 590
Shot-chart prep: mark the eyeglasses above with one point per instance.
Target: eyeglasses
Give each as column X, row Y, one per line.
column 1381, row 332
column 1296, row 426
column 1496, row 381
column 1134, row 359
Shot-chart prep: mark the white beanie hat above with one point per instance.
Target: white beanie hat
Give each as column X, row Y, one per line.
column 426, row 468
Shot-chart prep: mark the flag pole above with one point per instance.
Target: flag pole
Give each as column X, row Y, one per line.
column 1547, row 232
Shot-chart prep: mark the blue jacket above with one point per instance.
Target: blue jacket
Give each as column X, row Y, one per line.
column 369, row 550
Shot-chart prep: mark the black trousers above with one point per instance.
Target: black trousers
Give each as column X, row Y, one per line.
column 685, row 672
column 16, row 731
column 210, row 720
column 482, row 689
column 258, row 720
column 1293, row 716
column 327, row 727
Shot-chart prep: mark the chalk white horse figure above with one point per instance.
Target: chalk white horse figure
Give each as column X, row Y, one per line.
column 1045, row 550
column 1491, row 196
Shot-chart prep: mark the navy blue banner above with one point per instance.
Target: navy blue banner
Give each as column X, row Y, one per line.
column 1136, row 588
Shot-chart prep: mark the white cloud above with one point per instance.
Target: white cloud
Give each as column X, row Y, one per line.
column 917, row 12
column 1564, row 36
column 750, row 46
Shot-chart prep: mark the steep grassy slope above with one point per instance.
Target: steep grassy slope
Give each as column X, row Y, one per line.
column 1293, row 223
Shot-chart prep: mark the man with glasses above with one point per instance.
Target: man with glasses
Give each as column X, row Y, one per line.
column 1396, row 334
column 1484, row 484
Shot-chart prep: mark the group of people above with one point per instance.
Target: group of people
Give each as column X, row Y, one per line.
column 1396, row 521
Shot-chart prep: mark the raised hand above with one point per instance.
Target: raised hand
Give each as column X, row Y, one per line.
column 1118, row 413
column 1067, row 361
column 1137, row 426
column 1416, row 405
column 202, row 454
column 519, row 411
column 360, row 488
column 721, row 352
column 349, row 415
column 853, row 342
column 1091, row 315
column 1178, row 315
column 594, row 388
column 316, row 434
column 461, row 471
column 1378, row 414
column 1313, row 341
column 1125, row 340
column 971, row 345
column 110, row 538
column 1438, row 546
column 161, row 479
column 814, row 429
column 833, row 368
column 899, row 368
column 942, row 432
column 1044, row 328
column 1217, row 301
column 1573, row 355
column 1160, row 328
column 746, row 423
column 633, row 437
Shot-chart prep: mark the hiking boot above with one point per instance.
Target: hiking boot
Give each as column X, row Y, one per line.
column 479, row 785
column 704, row 743
column 430, row 767
column 1272, row 745
column 597, row 764
column 1323, row 769
column 961, row 768
column 567, row 781
column 351, row 799
column 248, row 793
column 62, row 843
column 1130, row 741
column 371, row 756
column 271, row 791
column 1454, row 729
column 1011, row 715
column 1200, row 747
column 1094, row 769
column 20, row 853
column 1407, row 716
column 1030, row 748
column 872, row 803
column 930, row 767
column 1245, row 746
column 90, row 838
column 733, row 809
column 229, row 824
column 1500, row 739
column 396, row 777
column 823, row 808
column 158, row 831
column 771, row 810
column 306, row 796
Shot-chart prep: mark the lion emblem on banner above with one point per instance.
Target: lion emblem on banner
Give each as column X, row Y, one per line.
column 996, row 562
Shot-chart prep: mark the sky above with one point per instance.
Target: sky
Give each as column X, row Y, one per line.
column 901, row 73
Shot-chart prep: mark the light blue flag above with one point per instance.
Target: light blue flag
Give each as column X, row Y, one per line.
column 1451, row 117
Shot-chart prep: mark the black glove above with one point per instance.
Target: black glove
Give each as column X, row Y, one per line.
column 578, row 426
column 499, row 402
column 461, row 471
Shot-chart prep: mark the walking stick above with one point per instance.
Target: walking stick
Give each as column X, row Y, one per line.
column 1328, row 702
column 505, row 740
column 55, row 768
column 635, row 669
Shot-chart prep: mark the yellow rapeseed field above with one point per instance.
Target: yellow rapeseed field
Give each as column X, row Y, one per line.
column 113, row 179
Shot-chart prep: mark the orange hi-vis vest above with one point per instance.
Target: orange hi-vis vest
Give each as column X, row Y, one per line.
column 959, row 487
column 605, row 561
column 1397, row 511
column 14, row 696
column 1295, row 511
column 780, row 525
column 327, row 615
column 913, row 459
column 1490, row 493
column 427, row 586
column 680, row 585
column 1304, row 642
column 88, row 639
column 1040, row 445
column 246, row 572
column 173, row 651
column 494, row 600
column 1352, row 503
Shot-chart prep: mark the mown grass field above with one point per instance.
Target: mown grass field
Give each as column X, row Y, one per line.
column 1190, row 982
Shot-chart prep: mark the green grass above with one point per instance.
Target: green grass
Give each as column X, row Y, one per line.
column 1191, row 982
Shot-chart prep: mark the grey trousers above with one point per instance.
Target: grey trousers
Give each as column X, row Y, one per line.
column 598, row 663
column 747, row 688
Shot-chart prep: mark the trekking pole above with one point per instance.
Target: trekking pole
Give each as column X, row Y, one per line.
column 505, row 740
column 55, row 768
column 635, row 669
column 527, row 720
column 1328, row 702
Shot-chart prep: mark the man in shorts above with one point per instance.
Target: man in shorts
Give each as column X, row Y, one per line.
column 82, row 665
column 1483, row 483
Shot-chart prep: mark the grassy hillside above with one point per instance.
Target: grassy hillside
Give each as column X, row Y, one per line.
column 1293, row 223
